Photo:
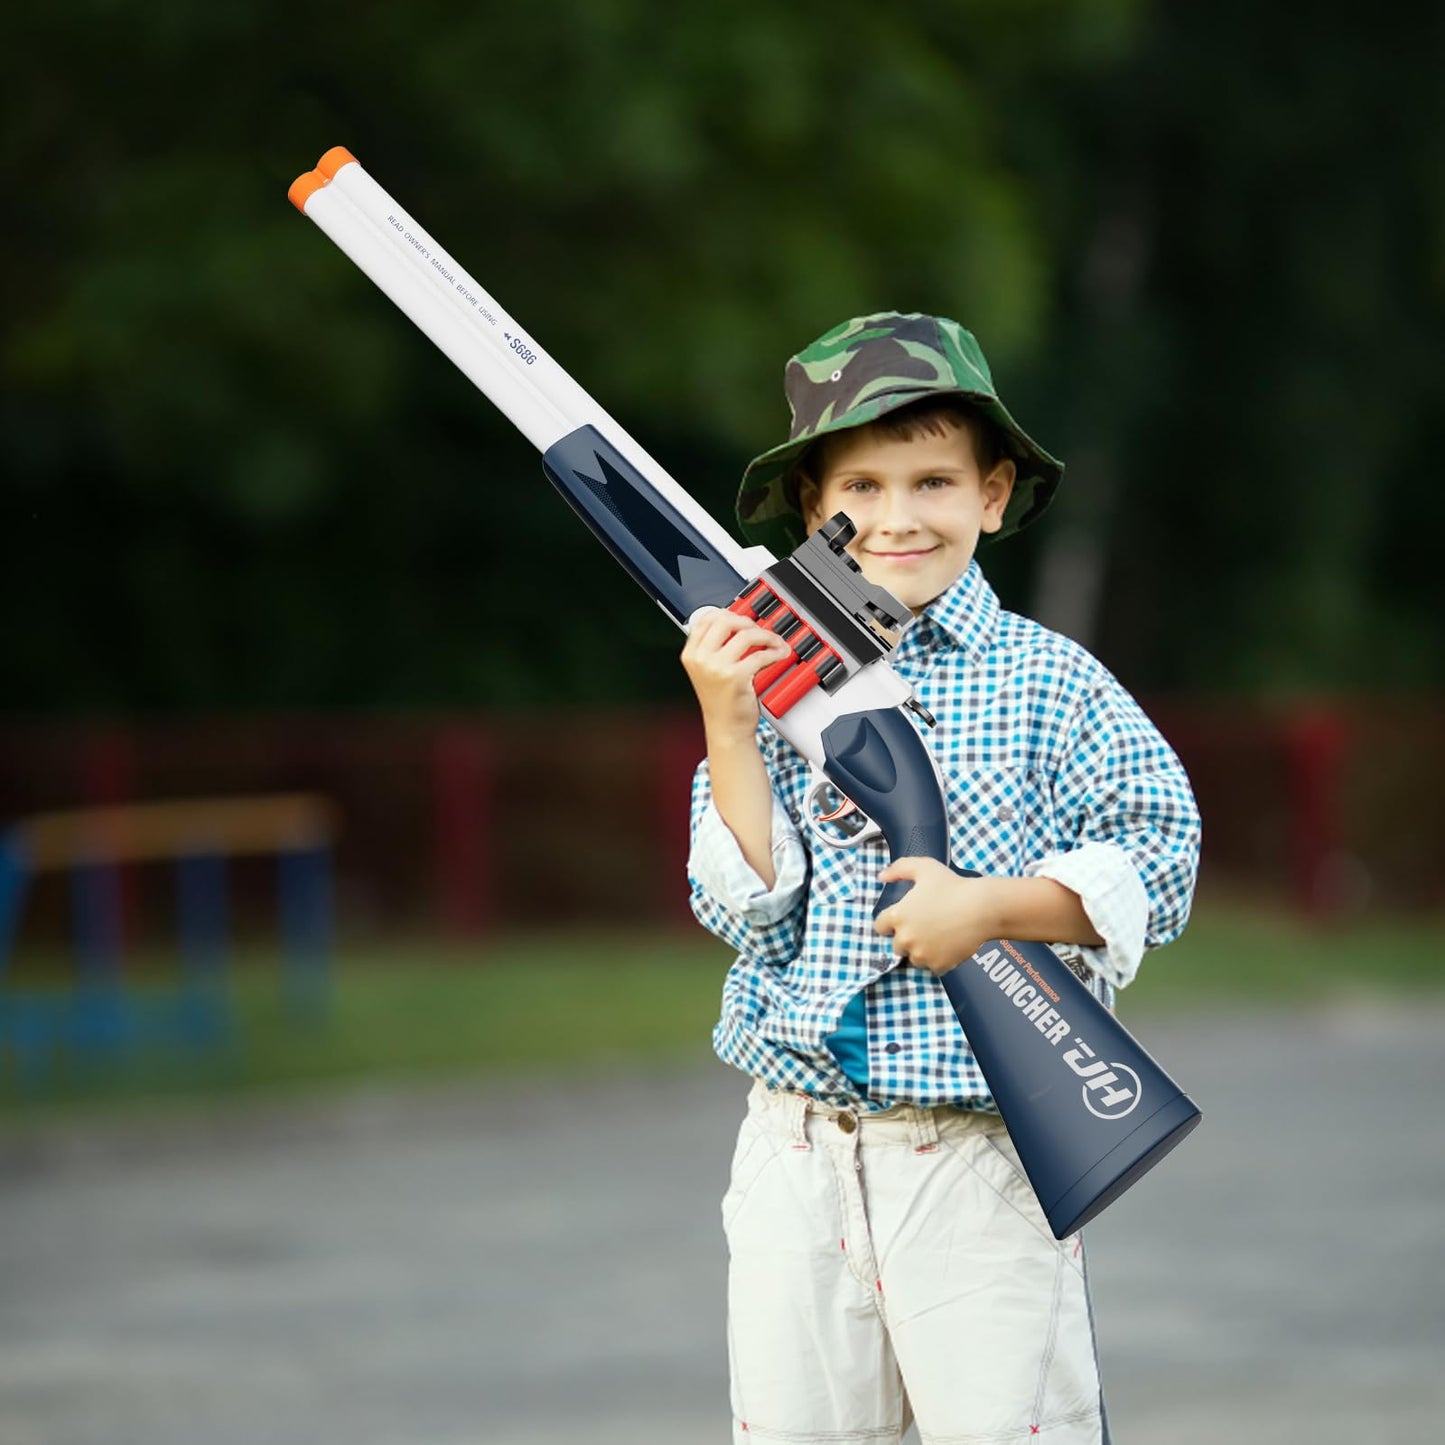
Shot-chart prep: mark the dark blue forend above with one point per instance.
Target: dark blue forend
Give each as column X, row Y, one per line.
column 668, row 557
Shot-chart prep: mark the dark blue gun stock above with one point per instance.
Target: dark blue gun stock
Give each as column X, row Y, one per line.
column 1088, row 1109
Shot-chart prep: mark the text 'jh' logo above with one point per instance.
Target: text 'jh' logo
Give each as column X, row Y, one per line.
column 1110, row 1090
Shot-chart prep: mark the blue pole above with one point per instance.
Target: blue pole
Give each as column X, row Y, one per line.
column 203, row 924
column 95, row 909
column 15, row 1030
column 14, row 874
column 100, row 1020
column 307, row 929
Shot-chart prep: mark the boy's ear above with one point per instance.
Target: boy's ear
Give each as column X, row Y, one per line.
column 808, row 499
column 997, row 488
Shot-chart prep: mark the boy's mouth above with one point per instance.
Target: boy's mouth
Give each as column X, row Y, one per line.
column 909, row 556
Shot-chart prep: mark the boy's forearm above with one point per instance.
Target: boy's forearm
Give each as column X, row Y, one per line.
column 1039, row 910
column 743, row 797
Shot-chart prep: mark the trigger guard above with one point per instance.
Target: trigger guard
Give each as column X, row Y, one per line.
column 866, row 834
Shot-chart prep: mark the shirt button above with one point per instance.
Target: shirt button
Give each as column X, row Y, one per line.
column 847, row 1123
column 893, row 1048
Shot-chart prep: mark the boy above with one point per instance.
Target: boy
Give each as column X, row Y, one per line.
column 889, row 1261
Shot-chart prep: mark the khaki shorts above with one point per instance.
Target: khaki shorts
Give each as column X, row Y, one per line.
column 897, row 1266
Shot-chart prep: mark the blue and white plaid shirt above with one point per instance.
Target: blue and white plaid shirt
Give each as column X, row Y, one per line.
column 1051, row 768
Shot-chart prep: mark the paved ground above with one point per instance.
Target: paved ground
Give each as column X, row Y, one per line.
column 531, row 1269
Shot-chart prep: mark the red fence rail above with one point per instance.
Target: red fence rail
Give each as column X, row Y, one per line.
column 469, row 822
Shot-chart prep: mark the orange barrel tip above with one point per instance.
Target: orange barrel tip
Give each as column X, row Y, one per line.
column 333, row 161
column 304, row 187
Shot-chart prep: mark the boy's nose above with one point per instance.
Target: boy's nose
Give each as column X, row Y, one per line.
column 897, row 514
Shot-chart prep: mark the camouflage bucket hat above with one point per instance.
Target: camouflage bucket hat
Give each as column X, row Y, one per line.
column 862, row 370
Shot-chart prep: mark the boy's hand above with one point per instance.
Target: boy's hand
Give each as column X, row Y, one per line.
column 722, row 656
column 940, row 920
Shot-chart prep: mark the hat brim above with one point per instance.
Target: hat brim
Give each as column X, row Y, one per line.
column 767, row 506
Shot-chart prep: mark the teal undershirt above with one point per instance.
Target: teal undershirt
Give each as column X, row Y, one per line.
column 848, row 1043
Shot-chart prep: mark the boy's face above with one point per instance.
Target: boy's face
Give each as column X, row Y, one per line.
column 919, row 505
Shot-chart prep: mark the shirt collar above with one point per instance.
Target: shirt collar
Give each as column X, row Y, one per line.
column 963, row 616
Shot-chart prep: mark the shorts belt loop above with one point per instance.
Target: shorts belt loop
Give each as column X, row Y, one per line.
column 924, row 1129
column 798, row 1106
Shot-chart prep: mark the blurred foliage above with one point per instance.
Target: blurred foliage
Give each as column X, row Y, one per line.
column 1201, row 242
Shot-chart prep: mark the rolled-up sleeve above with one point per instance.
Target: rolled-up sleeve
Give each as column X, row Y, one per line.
column 729, row 899
column 1114, row 899
column 1126, row 811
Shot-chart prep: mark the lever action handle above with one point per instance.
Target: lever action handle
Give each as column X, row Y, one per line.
column 879, row 761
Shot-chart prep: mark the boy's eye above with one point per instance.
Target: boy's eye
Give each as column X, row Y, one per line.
column 859, row 484
column 932, row 484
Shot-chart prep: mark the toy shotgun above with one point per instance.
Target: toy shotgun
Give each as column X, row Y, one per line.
column 1089, row 1111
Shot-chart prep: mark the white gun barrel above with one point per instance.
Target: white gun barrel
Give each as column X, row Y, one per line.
column 504, row 362
column 533, row 414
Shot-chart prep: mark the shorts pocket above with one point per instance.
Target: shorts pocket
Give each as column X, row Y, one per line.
column 755, row 1150
column 1008, row 1175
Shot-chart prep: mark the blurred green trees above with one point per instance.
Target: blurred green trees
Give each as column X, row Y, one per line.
column 1200, row 243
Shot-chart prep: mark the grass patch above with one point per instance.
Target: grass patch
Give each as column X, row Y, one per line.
column 1240, row 955
column 554, row 1004
column 404, row 1012
column 545, row 1003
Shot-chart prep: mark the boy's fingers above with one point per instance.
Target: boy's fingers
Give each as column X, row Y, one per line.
column 711, row 633
column 901, row 869
column 769, row 644
column 718, row 636
column 884, row 923
column 733, row 649
column 716, row 626
column 747, row 638
column 697, row 630
column 757, row 661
